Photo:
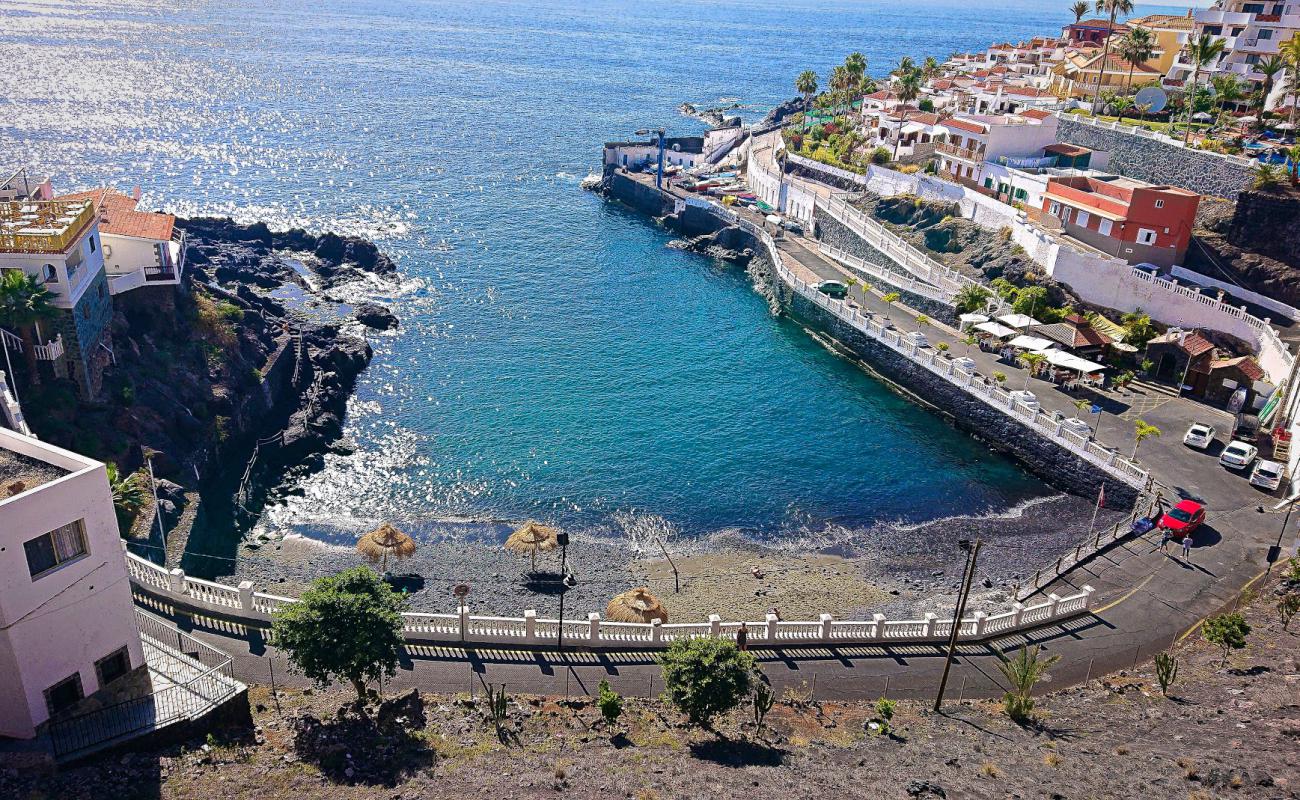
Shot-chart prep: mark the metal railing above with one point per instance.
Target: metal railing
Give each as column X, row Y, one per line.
column 206, row 680
column 46, row 226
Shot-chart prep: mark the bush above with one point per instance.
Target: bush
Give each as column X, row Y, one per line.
column 705, row 677
column 1023, row 672
column 1227, row 632
column 346, row 626
column 880, row 156
column 609, row 702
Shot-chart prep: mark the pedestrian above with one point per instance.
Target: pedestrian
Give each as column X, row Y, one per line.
column 742, row 637
column 1164, row 540
column 1187, row 546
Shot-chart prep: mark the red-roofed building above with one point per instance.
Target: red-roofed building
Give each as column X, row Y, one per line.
column 1091, row 30
column 140, row 247
column 1129, row 219
column 1189, row 357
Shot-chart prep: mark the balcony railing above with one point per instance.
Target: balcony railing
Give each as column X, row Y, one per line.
column 969, row 154
column 50, row 351
column 43, row 227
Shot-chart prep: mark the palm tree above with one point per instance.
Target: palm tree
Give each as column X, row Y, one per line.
column 1079, row 9
column 1201, row 50
column 1290, row 53
column 1121, row 105
column 806, row 85
column 1142, row 430
column 24, row 302
column 1269, row 67
column 1112, row 7
column 856, row 64
column 128, row 492
column 1227, row 90
column 929, row 68
column 1136, row 48
column 970, row 341
column 909, row 88
column 905, row 65
column 1266, row 176
column 970, row 298
column 1031, row 362
column 840, row 82
column 1294, row 155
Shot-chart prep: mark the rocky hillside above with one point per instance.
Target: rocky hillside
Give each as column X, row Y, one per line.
column 1255, row 243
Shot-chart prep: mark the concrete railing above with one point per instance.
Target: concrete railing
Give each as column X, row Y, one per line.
column 903, row 280
column 51, row 351
column 243, row 603
column 117, row 284
column 971, row 382
column 12, row 412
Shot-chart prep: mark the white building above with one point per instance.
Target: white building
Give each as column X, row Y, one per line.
column 67, row 622
column 1252, row 31
column 25, row 185
column 973, row 139
column 680, row 151
column 141, row 248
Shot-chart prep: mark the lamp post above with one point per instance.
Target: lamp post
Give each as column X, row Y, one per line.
column 567, row 582
column 659, row 174
column 972, row 553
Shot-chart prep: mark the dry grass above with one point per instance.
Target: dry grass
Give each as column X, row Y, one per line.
column 1052, row 760
column 990, row 770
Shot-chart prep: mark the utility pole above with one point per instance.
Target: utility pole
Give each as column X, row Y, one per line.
column 659, row 175
column 972, row 555
column 565, row 583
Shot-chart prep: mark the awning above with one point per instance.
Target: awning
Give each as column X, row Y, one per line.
column 1036, row 344
column 1000, row 331
column 1064, row 360
column 971, row 319
column 1019, row 320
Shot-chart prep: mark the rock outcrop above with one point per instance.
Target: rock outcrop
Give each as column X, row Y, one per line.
column 1258, row 245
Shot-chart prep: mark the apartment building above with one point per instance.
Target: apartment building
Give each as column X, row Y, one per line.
column 973, row 139
column 1252, row 31
column 67, row 623
column 1138, row 222
column 141, row 248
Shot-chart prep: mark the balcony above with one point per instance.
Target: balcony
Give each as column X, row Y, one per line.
column 1216, row 16
column 43, row 227
column 51, row 351
column 975, row 155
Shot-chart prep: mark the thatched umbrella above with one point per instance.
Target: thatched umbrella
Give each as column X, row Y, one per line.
column 384, row 541
column 533, row 538
column 636, row 605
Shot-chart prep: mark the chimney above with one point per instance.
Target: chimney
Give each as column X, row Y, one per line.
column 135, row 193
column 1182, row 338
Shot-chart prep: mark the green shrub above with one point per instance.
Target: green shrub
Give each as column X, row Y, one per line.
column 705, row 677
column 1228, row 632
column 880, row 156
column 609, row 702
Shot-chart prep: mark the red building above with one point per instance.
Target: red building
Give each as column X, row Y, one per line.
column 1129, row 219
column 1092, row 31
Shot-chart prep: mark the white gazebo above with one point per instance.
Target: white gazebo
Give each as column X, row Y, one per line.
column 1000, row 331
column 1019, row 321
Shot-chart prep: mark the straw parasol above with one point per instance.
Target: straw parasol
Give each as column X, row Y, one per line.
column 532, row 538
column 384, row 541
column 636, row 605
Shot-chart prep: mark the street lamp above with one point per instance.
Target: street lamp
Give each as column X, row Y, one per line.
column 659, row 174
column 567, row 582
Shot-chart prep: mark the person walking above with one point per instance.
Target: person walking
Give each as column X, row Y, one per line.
column 1187, row 547
column 1164, row 540
column 742, row 637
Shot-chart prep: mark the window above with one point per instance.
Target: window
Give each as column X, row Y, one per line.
column 64, row 695
column 1103, row 227
column 59, row 546
column 92, row 243
column 1054, row 209
column 1252, row 8
column 1160, row 204
column 1266, row 33
column 50, row 274
column 113, row 666
column 1146, row 236
column 1082, row 219
column 1237, row 31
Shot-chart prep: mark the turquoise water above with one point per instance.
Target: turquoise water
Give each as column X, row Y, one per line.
column 556, row 359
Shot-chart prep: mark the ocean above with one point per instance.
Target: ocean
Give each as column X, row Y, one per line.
column 556, row 359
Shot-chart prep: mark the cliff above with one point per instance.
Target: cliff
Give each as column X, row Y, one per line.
column 1256, row 246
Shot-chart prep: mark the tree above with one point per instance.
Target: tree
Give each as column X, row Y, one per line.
column 840, row 83
column 905, row 65
column 806, row 85
column 609, row 702
column 1030, row 301
column 1200, row 51
column 1000, row 377
column 970, row 341
column 922, row 321
column 890, row 299
column 1142, row 430
column 1269, row 67
column 346, row 626
column 24, row 304
column 1135, row 48
column 1023, row 672
column 1287, row 608
column 1266, row 176
column 1293, row 155
column 1228, row 90
column 1290, row 53
column 1227, row 632
column 1122, row 105
column 908, row 89
column 929, row 68
column 1079, row 9
column 971, row 298
column 856, row 64
column 128, row 493
column 706, row 677
column 1031, row 362
column 1138, row 329
column 1111, row 7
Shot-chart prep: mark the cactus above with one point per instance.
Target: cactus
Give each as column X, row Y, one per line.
column 763, row 700
column 1166, row 671
column 497, row 708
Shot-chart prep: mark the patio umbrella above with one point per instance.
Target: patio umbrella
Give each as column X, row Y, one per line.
column 384, row 541
column 635, row 605
column 1248, row 120
column 1201, row 116
column 1285, row 126
column 532, row 538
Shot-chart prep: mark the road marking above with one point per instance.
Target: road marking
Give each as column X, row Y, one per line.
column 1132, row 592
column 1201, row 621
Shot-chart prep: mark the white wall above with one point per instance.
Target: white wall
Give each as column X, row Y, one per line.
column 123, row 254
column 64, row 621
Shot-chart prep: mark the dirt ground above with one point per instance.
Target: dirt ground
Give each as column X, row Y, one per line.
column 1224, row 731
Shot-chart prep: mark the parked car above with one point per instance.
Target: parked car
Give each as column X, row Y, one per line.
column 833, row 288
column 1026, row 398
column 792, row 226
column 1199, row 436
column 1183, row 518
column 1267, row 474
column 1238, row 455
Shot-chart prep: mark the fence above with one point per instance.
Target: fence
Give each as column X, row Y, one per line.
column 902, row 280
column 590, row 630
column 1090, row 450
column 12, row 411
column 197, row 678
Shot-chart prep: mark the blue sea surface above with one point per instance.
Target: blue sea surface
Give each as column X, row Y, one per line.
column 556, row 359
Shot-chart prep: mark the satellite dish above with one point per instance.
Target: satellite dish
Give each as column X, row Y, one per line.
column 1152, row 98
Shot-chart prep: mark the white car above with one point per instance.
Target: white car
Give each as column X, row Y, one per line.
column 917, row 338
column 1238, row 455
column 1199, row 436
column 1026, row 398
column 1267, row 475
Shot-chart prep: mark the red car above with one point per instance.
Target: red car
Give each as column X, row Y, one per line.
column 1183, row 518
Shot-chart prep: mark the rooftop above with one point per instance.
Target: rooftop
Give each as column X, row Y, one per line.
column 18, row 473
column 49, row 226
column 118, row 215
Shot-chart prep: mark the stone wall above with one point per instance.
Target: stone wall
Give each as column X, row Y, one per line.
column 645, row 199
column 830, row 231
column 1159, row 162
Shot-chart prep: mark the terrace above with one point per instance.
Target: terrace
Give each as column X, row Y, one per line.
column 49, row 226
column 20, row 473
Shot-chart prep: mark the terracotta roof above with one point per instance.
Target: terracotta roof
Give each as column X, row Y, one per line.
column 118, row 215
column 963, row 125
column 1074, row 335
column 1166, row 21
column 1246, row 364
column 914, row 115
column 1036, row 113
column 1025, row 91
column 1095, row 23
column 883, row 94
column 1194, row 345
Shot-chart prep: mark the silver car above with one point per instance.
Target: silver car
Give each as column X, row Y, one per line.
column 1267, row 474
column 1238, row 455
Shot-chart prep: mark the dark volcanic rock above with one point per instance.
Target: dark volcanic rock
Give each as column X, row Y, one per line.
column 247, row 252
column 373, row 315
column 789, row 108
